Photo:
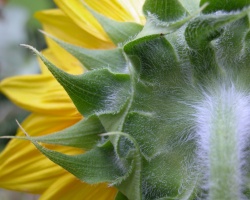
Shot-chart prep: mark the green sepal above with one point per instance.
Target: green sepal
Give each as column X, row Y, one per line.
column 97, row 91
column 224, row 5
column 165, row 10
column 95, row 166
column 118, row 32
column 97, row 59
column 84, row 134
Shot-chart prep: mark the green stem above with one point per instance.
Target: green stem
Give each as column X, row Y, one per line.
column 223, row 121
column 224, row 161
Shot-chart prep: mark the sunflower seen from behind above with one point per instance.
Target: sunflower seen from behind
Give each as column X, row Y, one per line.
column 161, row 104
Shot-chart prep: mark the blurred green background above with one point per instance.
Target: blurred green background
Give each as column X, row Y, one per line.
column 17, row 26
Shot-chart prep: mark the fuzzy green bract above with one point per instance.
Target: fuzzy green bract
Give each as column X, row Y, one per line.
column 139, row 99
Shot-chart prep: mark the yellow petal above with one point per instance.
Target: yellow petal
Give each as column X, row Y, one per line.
column 68, row 187
column 61, row 26
column 112, row 9
column 23, row 167
column 79, row 14
column 38, row 93
column 134, row 7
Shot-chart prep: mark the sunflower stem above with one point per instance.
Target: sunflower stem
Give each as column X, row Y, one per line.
column 223, row 121
column 224, row 156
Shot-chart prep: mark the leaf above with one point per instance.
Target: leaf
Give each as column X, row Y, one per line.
column 84, row 134
column 224, row 5
column 98, row 91
column 119, row 32
column 96, row 59
column 165, row 10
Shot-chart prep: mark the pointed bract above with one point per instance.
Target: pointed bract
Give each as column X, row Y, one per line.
column 86, row 167
column 97, row 59
column 84, row 134
column 96, row 92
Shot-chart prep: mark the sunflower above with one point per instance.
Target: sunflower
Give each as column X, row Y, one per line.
column 165, row 105
column 22, row 167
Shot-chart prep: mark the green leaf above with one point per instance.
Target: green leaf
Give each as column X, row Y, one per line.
column 97, row 59
column 119, row 32
column 98, row 91
column 224, row 5
column 165, row 10
column 84, row 134
column 95, row 166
